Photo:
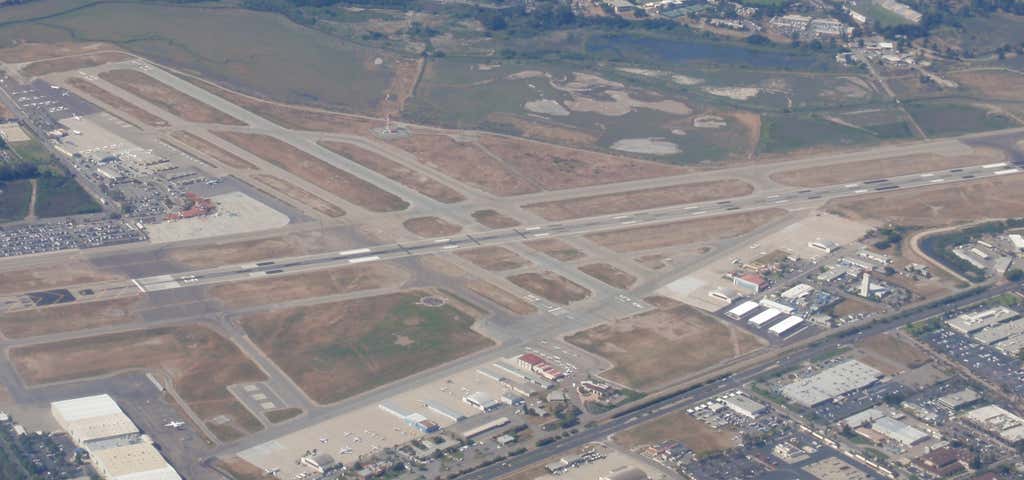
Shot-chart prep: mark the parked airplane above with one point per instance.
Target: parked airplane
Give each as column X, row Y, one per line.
column 175, row 425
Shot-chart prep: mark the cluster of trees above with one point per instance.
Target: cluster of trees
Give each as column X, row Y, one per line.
column 18, row 171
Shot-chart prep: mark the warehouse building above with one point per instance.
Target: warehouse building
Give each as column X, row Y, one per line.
column 743, row 405
column 1000, row 332
column 94, row 422
column 827, row 246
column 764, row 317
column 969, row 323
column 742, row 310
column 898, row 431
column 481, row 401
column 137, row 461
column 750, row 282
column 786, row 326
column 830, row 383
column 1012, row 346
column 958, row 400
column 999, row 421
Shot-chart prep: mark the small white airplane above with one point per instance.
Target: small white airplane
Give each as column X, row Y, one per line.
column 344, row 451
column 271, row 471
column 175, row 425
column 324, row 440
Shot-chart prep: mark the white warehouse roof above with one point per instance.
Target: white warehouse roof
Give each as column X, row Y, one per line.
column 86, row 407
column 742, row 309
column 92, row 418
column 797, row 291
column 830, row 383
column 139, row 461
column 764, row 317
column 786, row 325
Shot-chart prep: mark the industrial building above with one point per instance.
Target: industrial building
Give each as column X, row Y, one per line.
column 786, row 326
column 797, row 291
column 1018, row 241
column 860, row 419
column 999, row 421
column 969, row 323
column 1011, row 346
column 761, row 319
column 958, row 400
column 743, row 405
column 94, row 422
column 481, row 401
column 480, row 425
column 826, row 246
column 750, row 282
column 898, row 431
column 830, row 383
column 1000, row 332
column 742, row 310
column 136, row 461
column 99, row 426
column 320, row 462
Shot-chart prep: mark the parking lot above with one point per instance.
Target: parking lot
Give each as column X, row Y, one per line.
column 983, row 360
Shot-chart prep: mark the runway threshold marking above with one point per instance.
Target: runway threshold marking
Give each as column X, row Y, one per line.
column 371, row 258
column 138, row 285
column 354, row 252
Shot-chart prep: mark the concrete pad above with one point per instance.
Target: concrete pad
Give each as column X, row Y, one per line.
column 268, row 405
column 236, row 213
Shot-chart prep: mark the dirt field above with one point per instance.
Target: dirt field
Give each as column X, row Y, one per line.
column 640, row 199
column 308, row 285
column 544, row 131
column 557, row 168
column 396, row 171
column 656, row 347
column 890, row 354
column 240, row 469
column 501, row 297
column 993, row 84
column 680, row 427
column 294, row 117
column 68, row 318
column 556, row 249
column 881, row 168
column 254, row 250
column 299, row 195
column 685, row 232
column 70, row 273
column 607, row 273
column 849, row 306
column 27, row 52
column 495, row 259
column 926, row 207
column 337, row 350
column 494, row 219
column 65, row 64
column 122, row 107
column 168, row 98
column 200, row 363
column 209, row 150
column 317, row 172
column 551, row 286
column 466, row 162
column 431, row 227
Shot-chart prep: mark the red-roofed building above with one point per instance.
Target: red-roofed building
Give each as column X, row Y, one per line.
column 750, row 282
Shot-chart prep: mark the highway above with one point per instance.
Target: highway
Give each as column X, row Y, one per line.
column 689, row 397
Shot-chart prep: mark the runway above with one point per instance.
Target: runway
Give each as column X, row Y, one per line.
column 791, row 198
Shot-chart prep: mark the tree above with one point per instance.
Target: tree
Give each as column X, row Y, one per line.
column 1015, row 275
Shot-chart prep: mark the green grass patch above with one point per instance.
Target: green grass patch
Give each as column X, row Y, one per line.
column 786, row 133
column 60, row 196
column 14, row 199
column 951, row 119
column 32, row 151
column 885, row 17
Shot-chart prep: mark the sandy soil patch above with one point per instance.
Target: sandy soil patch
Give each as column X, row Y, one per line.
column 167, row 97
column 685, row 232
column 607, row 273
column 339, row 349
column 466, row 162
column 494, row 219
column 646, row 146
column 301, row 196
column 653, row 348
column 882, row 168
column 122, row 106
column 679, row 427
column 640, row 199
column 308, row 285
column 850, row 306
column 290, row 116
column 709, row 121
column 989, row 198
column 494, row 258
column 317, row 172
column 70, row 272
column 993, row 84
column 240, row 469
column 735, row 93
column 200, row 362
column 556, row 249
column 65, row 64
column 557, row 168
column 546, row 107
column 622, row 103
column 69, row 318
column 677, row 78
column 501, row 297
column 29, row 51
column 208, row 150
column 396, row 171
column 431, row 227
column 551, row 286
column 890, row 354
column 236, row 213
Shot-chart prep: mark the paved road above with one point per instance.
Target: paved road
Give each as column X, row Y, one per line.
column 689, row 397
